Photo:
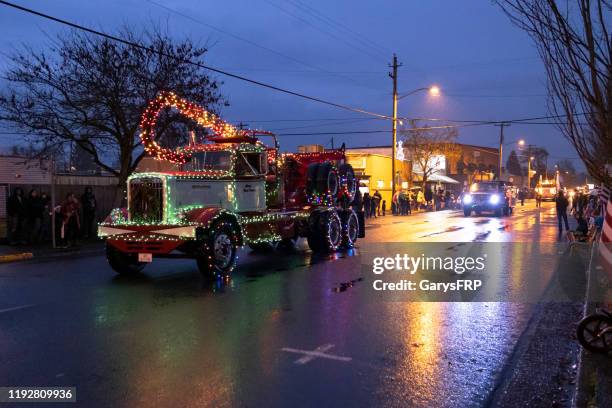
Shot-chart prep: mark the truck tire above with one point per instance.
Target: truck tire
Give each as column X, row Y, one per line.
column 348, row 182
column 325, row 231
column 467, row 212
column 311, row 179
column 327, row 180
column 350, row 228
column 217, row 250
column 122, row 263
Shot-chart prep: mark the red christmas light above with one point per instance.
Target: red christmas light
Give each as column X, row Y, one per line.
column 220, row 128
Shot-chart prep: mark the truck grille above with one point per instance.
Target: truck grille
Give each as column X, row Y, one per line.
column 146, row 200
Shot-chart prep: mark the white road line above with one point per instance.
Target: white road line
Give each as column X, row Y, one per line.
column 310, row 355
column 10, row 309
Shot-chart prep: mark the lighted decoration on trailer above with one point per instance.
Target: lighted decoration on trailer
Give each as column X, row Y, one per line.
column 220, row 128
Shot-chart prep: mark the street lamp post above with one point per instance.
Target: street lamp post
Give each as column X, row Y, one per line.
column 394, row 125
column 433, row 90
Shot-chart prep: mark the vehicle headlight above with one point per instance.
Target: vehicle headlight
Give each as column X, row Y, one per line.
column 467, row 199
column 494, row 199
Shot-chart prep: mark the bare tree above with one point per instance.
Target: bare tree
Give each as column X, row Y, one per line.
column 426, row 146
column 91, row 91
column 574, row 43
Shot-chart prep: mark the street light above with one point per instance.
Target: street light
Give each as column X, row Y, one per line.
column 521, row 142
column 433, row 90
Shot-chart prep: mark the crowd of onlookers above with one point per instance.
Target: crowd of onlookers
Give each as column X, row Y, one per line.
column 586, row 209
column 404, row 202
column 30, row 218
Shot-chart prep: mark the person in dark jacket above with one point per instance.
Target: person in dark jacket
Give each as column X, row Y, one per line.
column 561, row 204
column 89, row 204
column 367, row 205
column 45, row 228
column 376, row 199
column 16, row 211
column 34, row 215
column 428, row 196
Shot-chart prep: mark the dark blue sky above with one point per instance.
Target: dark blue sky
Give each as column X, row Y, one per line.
column 339, row 50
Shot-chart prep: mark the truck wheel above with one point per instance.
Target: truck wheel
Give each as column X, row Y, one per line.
column 348, row 183
column 350, row 228
column 498, row 212
column 327, row 180
column 122, row 263
column 325, row 231
column 467, row 212
column 217, row 253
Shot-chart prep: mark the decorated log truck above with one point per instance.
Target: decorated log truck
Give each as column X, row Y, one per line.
column 229, row 190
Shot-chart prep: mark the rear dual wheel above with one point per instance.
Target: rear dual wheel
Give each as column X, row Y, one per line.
column 350, row 228
column 324, row 231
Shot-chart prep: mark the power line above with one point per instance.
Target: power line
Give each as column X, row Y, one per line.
column 217, row 70
column 363, row 41
column 246, row 40
column 319, row 29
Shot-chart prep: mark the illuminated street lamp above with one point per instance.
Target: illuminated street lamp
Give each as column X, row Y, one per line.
column 521, row 142
column 433, row 90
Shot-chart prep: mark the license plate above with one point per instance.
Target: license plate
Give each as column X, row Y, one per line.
column 145, row 257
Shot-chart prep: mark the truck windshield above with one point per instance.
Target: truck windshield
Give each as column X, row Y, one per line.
column 220, row 160
column 484, row 187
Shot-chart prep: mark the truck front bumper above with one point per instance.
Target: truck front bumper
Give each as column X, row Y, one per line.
column 153, row 239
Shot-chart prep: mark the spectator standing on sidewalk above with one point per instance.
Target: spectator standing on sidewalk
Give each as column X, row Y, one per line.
column 395, row 203
column 384, row 207
column 561, row 204
column 70, row 220
column 88, row 201
column 377, row 198
column 34, row 214
column 420, row 200
column 428, row 196
column 367, row 202
column 45, row 228
column 16, row 211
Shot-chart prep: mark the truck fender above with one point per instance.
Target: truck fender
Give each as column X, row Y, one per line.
column 206, row 216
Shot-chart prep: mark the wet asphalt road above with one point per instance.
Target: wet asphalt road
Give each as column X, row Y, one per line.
column 169, row 338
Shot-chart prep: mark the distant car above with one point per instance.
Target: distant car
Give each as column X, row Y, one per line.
column 492, row 196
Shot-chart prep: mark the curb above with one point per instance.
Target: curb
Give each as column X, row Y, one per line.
column 588, row 381
column 16, row 257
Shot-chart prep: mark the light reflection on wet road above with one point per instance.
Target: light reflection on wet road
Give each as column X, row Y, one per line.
column 169, row 338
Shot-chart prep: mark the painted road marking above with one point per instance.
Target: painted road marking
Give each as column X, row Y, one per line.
column 318, row 352
column 10, row 309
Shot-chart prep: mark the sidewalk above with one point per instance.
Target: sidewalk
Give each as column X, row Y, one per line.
column 14, row 253
column 594, row 387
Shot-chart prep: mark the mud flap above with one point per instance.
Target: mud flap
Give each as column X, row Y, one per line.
column 361, row 219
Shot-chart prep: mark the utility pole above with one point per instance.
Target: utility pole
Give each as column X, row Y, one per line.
column 501, row 144
column 393, row 76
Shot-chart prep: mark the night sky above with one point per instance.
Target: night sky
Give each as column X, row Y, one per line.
column 339, row 50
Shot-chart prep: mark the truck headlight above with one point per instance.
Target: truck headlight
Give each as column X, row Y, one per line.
column 494, row 199
column 467, row 199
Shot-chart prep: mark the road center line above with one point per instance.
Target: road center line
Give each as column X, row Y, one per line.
column 10, row 309
column 310, row 355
